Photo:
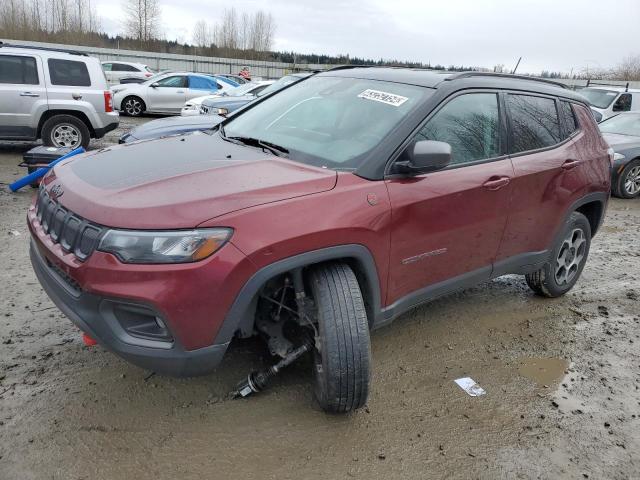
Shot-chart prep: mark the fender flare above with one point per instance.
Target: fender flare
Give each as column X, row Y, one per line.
column 241, row 314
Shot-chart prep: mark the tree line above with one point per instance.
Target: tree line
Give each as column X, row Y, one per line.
column 237, row 35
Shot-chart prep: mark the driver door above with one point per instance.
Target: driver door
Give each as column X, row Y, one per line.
column 168, row 95
column 447, row 225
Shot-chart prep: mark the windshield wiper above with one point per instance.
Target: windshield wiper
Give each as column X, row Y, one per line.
column 277, row 150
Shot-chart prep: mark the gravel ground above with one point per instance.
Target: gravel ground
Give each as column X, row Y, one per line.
column 562, row 379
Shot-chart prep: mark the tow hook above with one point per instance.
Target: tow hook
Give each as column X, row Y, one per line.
column 88, row 341
column 259, row 380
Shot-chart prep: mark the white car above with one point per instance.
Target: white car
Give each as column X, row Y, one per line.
column 117, row 72
column 192, row 107
column 166, row 93
column 609, row 100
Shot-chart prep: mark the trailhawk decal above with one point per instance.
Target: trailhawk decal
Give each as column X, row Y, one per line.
column 422, row 256
column 383, row 97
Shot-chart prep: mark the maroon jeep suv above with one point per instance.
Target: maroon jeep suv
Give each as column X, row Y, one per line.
column 320, row 213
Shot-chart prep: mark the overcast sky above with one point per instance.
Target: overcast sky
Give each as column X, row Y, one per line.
column 558, row 35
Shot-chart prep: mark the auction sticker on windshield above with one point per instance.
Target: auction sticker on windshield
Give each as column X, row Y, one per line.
column 384, row 97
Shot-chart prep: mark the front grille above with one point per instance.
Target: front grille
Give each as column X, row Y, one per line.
column 204, row 110
column 72, row 232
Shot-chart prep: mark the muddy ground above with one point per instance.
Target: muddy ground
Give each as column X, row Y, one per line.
column 562, row 379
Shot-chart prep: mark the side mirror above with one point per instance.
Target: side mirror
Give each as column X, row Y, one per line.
column 423, row 157
column 155, row 85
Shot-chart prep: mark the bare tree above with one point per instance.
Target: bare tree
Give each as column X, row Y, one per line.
column 142, row 19
column 628, row 69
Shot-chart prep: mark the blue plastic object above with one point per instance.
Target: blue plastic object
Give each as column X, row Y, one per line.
column 32, row 177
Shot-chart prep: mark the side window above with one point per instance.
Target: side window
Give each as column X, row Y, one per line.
column 69, row 73
column 569, row 119
column 18, row 70
column 201, row 83
column 534, row 122
column 172, row 82
column 128, row 68
column 107, row 67
column 469, row 123
column 623, row 104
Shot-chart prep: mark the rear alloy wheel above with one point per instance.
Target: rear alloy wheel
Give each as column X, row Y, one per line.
column 568, row 258
column 629, row 181
column 65, row 131
column 342, row 356
column 133, row 106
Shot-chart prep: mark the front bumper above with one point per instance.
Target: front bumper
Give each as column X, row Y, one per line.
column 94, row 315
column 167, row 318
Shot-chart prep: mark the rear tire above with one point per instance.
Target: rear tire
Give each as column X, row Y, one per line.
column 65, row 131
column 133, row 106
column 342, row 362
column 567, row 259
column 628, row 184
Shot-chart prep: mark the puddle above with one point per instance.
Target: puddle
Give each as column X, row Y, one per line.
column 543, row 371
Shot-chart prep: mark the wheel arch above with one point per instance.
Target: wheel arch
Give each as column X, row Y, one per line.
column 74, row 113
column 593, row 209
column 241, row 315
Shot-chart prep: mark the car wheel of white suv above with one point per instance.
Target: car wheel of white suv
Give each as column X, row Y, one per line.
column 65, row 131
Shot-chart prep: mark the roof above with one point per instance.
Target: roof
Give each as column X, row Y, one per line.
column 437, row 79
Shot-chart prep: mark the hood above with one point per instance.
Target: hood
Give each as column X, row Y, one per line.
column 621, row 142
column 172, row 126
column 178, row 182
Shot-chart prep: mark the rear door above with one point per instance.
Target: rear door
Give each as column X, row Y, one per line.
column 169, row 95
column 549, row 171
column 447, row 225
column 23, row 95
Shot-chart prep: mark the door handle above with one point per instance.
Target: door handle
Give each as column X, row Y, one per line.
column 29, row 94
column 180, row 91
column 496, row 183
column 571, row 163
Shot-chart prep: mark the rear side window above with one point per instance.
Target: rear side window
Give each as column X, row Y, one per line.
column 469, row 123
column 123, row 67
column 69, row 73
column 534, row 122
column 569, row 119
column 201, row 83
column 18, row 70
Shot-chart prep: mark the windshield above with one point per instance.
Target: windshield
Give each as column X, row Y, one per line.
column 330, row 122
column 241, row 90
column 283, row 82
column 627, row 124
column 599, row 98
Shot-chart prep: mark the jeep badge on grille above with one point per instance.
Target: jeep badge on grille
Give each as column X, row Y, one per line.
column 56, row 191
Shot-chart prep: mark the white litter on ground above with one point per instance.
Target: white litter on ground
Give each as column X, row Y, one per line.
column 470, row 386
column 14, row 233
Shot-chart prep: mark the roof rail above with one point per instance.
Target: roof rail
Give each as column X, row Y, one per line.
column 456, row 76
column 604, row 84
column 48, row 49
column 347, row 67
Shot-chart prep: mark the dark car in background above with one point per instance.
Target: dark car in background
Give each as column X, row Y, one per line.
column 178, row 125
column 226, row 105
column 622, row 133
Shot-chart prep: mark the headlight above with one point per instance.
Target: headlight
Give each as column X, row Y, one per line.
column 178, row 246
column 190, row 106
column 223, row 111
column 618, row 156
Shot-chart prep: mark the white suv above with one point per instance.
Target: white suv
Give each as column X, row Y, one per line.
column 59, row 96
column 126, row 72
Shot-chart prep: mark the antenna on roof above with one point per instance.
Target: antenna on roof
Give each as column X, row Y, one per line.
column 517, row 64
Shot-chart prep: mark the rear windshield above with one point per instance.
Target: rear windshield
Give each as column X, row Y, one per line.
column 599, row 98
column 626, row 124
